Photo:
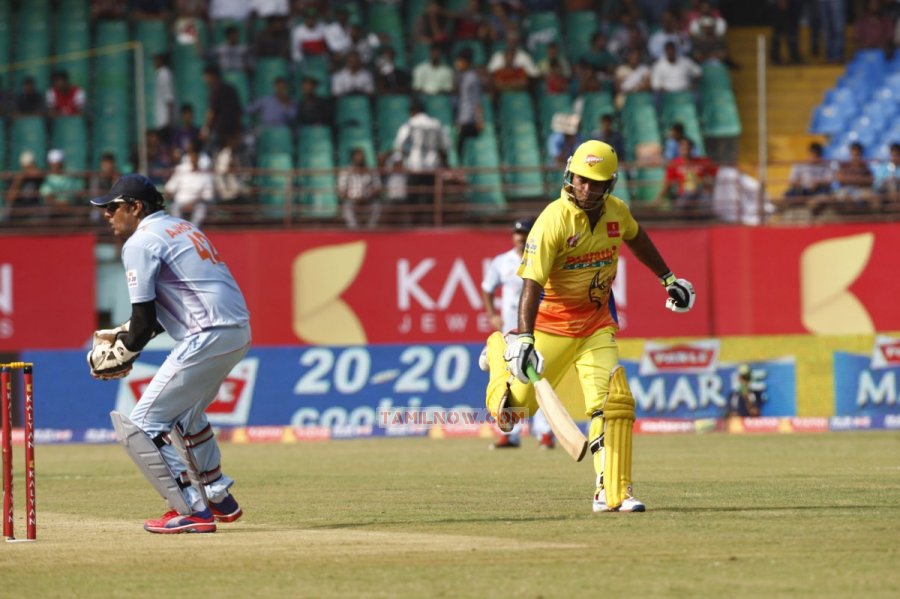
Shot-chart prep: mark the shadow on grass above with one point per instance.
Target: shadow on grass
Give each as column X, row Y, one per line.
column 762, row 508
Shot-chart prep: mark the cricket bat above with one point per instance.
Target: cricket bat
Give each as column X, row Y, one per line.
column 567, row 432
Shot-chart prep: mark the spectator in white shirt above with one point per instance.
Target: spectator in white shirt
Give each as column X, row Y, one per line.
column 308, row 37
column 521, row 59
column 424, row 144
column 673, row 73
column 163, row 93
column 270, row 8
column 668, row 32
column 433, row 76
column 191, row 187
column 337, row 33
column 631, row 77
column 354, row 78
column 359, row 189
column 233, row 10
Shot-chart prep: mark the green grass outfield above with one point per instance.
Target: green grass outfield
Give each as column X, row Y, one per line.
column 804, row 515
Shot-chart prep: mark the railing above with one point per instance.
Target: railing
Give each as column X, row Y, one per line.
column 307, row 198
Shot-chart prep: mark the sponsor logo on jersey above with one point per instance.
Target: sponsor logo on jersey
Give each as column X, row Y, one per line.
column 131, row 277
column 612, row 229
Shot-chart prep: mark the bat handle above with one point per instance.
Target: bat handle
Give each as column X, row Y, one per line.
column 532, row 373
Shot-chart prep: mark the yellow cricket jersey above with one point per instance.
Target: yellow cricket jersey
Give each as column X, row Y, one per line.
column 576, row 266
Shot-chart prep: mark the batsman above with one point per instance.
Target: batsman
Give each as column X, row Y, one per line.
column 567, row 315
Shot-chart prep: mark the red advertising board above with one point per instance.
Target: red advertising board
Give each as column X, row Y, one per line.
column 46, row 292
column 339, row 288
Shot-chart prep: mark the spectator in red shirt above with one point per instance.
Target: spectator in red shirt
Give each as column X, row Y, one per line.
column 689, row 182
column 874, row 28
column 63, row 98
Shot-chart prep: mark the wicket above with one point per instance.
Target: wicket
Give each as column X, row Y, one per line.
column 6, row 407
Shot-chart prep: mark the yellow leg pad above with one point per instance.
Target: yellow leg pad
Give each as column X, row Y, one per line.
column 617, row 461
column 619, row 402
column 499, row 375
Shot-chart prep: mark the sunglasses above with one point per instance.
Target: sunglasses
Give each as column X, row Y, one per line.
column 114, row 205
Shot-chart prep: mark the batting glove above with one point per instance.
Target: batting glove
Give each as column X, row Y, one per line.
column 681, row 293
column 520, row 354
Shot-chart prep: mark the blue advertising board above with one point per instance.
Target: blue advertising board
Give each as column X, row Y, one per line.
column 862, row 388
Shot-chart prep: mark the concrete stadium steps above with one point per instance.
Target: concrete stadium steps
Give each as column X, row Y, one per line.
column 792, row 92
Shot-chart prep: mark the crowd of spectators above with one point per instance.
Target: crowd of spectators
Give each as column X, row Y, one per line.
column 632, row 51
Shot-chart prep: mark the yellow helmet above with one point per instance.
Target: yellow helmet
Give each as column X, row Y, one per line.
column 593, row 160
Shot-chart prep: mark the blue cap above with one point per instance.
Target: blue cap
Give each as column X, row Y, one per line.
column 523, row 225
column 130, row 187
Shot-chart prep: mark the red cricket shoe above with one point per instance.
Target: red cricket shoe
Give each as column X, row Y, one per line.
column 226, row 510
column 174, row 523
column 547, row 441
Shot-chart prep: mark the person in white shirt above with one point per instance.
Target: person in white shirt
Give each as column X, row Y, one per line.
column 337, row 33
column 308, row 37
column 424, row 143
column 433, row 76
column 668, row 32
column 632, row 76
column 353, row 78
column 191, row 187
column 674, row 73
column 521, row 59
column 163, row 93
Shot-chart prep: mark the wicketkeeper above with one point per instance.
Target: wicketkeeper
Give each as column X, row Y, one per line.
column 177, row 282
column 567, row 315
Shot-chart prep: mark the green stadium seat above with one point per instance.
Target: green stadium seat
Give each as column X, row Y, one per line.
column 73, row 37
column 543, row 29
column 516, row 107
column 317, row 68
column 239, row 80
column 189, row 84
column 32, row 43
column 112, row 70
column 486, row 194
column 580, row 27
column 275, row 188
column 596, row 104
column 439, row 106
column 73, row 10
column 715, row 77
column 220, row 25
column 266, row 71
column 6, row 36
column 391, row 112
column 622, row 190
column 353, row 111
column 479, row 55
column 647, row 184
column 154, row 37
column 69, row 134
column 28, row 133
column 414, row 9
column 3, row 151
column 385, row 21
column 351, row 137
column 275, row 140
column 548, row 105
column 317, row 195
column 720, row 114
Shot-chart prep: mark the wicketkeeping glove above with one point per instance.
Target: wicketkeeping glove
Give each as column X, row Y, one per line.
column 520, row 353
column 681, row 293
column 111, row 360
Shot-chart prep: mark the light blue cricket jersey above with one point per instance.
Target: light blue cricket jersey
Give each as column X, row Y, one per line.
column 172, row 262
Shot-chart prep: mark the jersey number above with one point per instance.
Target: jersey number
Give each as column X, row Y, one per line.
column 204, row 247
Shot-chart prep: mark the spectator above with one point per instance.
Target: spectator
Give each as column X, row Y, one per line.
column 275, row 110
column 469, row 111
column 673, row 73
column 354, row 78
column 833, row 14
column 854, row 193
column 470, row 24
column 63, row 98
column 520, row 58
column 672, row 144
column 553, row 53
column 433, row 76
column 668, row 32
column 501, row 22
column 60, row 189
column 270, row 8
column 192, row 8
column 563, row 138
column 708, row 41
column 585, row 79
column 424, row 144
column 394, row 181
column 555, row 81
column 390, row 78
column 231, row 10
column 598, row 56
column 144, row 10
column 785, row 28
column 631, row 34
column 337, row 33
column 160, row 156
column 102, row 180
column 163, row 96
column 29, row 101
column 696, row 10
column 631, row 77
column 191, row 188
column 229, row 183
column 224, row 115
column 186, row 132
column 887, row 180
column 274, row 40
column 707, row 16
column 434, row 26
column 232, row 54
column 809, row 180
column 874, row 28
column 689, row 182
column 364, row 43
column 510, row 76
column 308, row 37
column 102, row 10
column 23, row 199
column 607, row 132
column 744, row 400
column 359, row 189
column 314, row 110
